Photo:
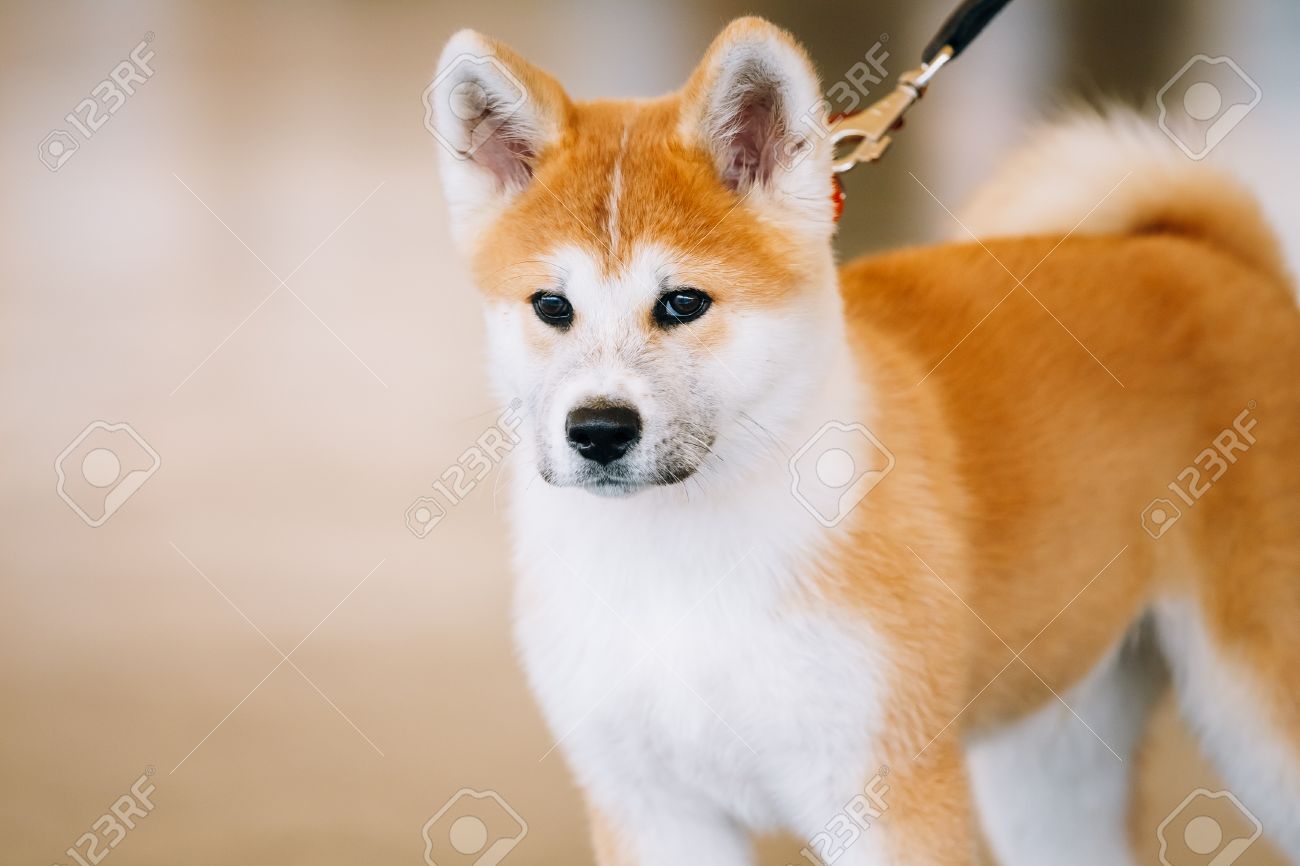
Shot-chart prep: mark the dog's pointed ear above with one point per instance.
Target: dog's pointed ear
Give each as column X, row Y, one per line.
column 494, row 115
column 755, row 104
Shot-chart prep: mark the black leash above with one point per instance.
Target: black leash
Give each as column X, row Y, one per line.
column 962, row 26
column 871, row 127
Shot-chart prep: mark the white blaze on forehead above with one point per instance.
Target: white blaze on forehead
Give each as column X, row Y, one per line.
column 615, row 192
column 611, row 302
column 603, row 356
column 605, row 353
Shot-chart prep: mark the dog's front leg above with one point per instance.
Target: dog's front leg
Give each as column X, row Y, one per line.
column 913, row 811
column 665, row 831
column 930, row 819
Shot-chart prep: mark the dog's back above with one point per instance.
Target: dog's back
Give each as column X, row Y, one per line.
column 1114, row 347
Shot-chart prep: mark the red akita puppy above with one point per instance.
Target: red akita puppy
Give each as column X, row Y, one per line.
column 780, row 525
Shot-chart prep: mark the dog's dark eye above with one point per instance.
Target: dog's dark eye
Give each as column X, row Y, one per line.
column 554, row 310
column 680, row 306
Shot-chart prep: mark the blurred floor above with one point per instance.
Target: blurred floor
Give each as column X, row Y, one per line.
column 295, row 425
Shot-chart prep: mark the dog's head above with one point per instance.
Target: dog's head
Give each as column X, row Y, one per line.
column 658, row 277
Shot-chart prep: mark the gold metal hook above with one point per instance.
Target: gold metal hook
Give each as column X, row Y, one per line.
column 872, row 126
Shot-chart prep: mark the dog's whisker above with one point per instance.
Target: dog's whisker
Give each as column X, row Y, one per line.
column 556, row 266
column 769, row 446
column 539, row 279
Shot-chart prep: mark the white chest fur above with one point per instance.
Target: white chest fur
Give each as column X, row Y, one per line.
column 678, row 651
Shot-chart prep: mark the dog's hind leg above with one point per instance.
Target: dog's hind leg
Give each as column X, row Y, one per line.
column 1051, row 788
column 1236, row 667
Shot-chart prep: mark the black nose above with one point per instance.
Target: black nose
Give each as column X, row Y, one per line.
column 603, row 433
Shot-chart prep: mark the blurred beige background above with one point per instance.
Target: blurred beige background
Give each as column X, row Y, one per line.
column 296, row 423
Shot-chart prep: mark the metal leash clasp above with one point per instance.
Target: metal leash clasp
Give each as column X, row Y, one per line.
column 872, row 126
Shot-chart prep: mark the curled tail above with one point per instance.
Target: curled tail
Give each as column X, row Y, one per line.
column 1116, row 173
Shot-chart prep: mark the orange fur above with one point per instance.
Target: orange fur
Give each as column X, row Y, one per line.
column 678, row 203
column 1042, row 491
column 1023, row 458
column 1053, row 484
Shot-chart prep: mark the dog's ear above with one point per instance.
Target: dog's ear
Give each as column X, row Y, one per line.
column 755, row 104
column 494, row 114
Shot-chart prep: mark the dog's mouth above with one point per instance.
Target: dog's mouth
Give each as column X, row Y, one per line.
column 665, row 460
column 617, row 480
column 612, row 487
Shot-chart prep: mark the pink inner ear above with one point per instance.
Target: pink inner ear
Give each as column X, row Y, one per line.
column 507, row 155
column 495, row 127
column 754, row 133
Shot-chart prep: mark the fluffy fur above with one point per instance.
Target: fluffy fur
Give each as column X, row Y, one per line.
column 714, row 659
